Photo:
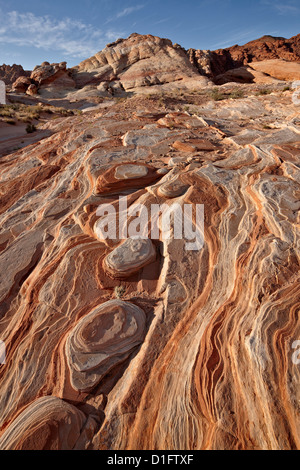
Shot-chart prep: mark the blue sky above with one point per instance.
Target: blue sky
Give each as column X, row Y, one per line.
column 32, row 31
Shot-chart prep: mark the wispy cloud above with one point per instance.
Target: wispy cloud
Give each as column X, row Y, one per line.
column 283, row 8
column 125, row 12
column 73, row 38
column 164, row 20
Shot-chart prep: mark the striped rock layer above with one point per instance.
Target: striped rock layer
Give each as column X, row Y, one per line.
column 187, row 350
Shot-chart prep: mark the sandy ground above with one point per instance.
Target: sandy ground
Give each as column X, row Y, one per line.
column 15, row 137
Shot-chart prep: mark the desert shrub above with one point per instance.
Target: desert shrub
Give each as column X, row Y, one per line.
column 30, row 128
column 217, row 95
column 25, row 119
column 27, row 113
column 47, row 109
column 5, row 112
column 236, row 94
column 63, row 111
column 265, row 91
column 119, row 292
column 9, row 121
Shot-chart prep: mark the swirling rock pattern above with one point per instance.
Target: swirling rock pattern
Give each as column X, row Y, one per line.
column 173, row 188
column 49, row 424
column 130, row 257
column 139, row 61
column 125, row 176
column 209, row 364
column 102, row 339
column 125, row 172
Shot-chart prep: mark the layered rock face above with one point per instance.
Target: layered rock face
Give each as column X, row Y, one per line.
column 129, row 258
column 122, row 343
column 45, row 76
column 10, row 73
column 48, row 424
column 214, row 63
column 280, row 69
column 132, row 65
column 52, row 75
column 139, row 61
column 103, row 339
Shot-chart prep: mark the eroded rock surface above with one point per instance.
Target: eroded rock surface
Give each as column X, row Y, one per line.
column 139, row 61
column 214, row 63
column 130, row 257
column 102, row 339
column 10, row 73
column 173, row 188
column 49, row 424
column 199, row 352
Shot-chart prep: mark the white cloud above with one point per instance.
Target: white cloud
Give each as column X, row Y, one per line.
column 283, row 8
column 127, row 11
column 69, row 36
column 164, row 20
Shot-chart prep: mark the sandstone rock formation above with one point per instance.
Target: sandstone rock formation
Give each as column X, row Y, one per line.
column 32, row 90
column 45, row 76
column 280, row 69
column 10, row 73
column 173, row 188
column 21, row 84
column 250, row 74
column 139, row 61
column 145, row 344
column 52, row 75
column 125, row 176
column 214, row 63
column 49, row 424
column 103, row 338
column 134, row 64
column 129, row 258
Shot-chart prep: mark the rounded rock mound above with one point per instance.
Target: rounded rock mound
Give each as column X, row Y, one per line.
column 125, row 172
column 172, row 189
column 49, row 423
column 125, row 176
column 128, row 258
column 101, row 340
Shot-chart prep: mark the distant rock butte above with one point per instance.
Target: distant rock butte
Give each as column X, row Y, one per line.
column 44, row 76
column 214, row 63
column 142, row 61
column 10, row 73
column 138, row 61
